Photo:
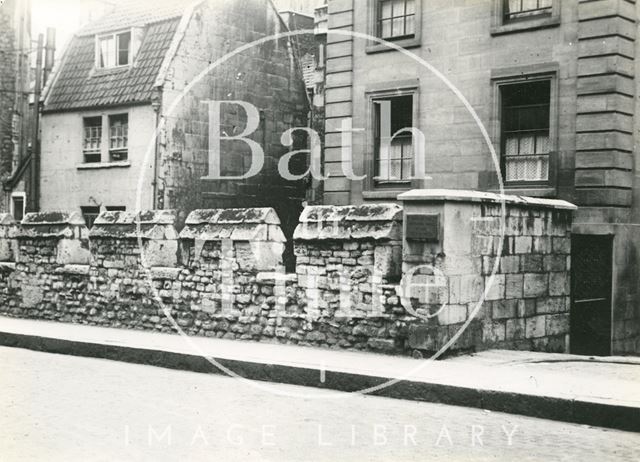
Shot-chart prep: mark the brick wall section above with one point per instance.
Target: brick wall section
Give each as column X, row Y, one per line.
column 222, row 277
column 606, row 89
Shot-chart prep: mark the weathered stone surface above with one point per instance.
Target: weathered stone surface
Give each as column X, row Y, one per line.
column 345, row 292
column 373, row 222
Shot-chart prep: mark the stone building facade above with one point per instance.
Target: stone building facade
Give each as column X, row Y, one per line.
column 553, row 82
column 125, row 120
column 15, row 127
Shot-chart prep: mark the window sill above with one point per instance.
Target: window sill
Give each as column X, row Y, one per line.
column 523, row 26
column 531, row 191
column 376, row 47
column 383, row 194
column 101, row 165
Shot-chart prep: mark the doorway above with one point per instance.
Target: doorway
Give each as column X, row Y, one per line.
column 591, row 275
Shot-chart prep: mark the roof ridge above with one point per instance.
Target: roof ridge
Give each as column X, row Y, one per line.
column 136, row 14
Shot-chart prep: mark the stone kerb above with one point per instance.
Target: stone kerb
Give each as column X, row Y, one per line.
column 345, row 255
column 252, row 237
column 8, row 244
column 155, row 229
column 66, row 232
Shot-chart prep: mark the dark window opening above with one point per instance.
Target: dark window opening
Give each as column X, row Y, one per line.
column 92, row 139
column 90, row 213
column 525, row 131
column 18, row 208
column 516, row 10
column 393, row 150
column 396, row 19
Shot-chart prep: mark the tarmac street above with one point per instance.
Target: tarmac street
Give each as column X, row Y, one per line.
column 66, row 408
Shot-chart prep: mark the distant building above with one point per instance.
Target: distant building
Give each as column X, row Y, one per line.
column 15, row 128
column 118, row 81
column 554, row 83
column 306, row 7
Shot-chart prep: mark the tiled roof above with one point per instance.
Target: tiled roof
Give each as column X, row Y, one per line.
column 79, row 85
column 135, row 13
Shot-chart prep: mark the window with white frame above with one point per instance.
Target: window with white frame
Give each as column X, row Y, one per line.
column 118, row 137
column 105, row 138
column 525, row 131
column 18, row 200
column 396, row 19
column 92, row 139
column 113, row 50
column 393, row 142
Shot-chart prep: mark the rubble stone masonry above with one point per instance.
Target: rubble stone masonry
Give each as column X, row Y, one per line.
column 222, row 275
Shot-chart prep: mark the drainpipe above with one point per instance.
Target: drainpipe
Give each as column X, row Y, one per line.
column 35, row 135
column 49, row 54
column 157, row 105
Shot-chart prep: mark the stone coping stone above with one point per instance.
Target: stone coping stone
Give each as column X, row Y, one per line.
column 255, row 215
column 457, row 195
column 6, row 219
column 239, row 224
column 156, row 217
column 53, row 218
column 357, row 222
column 149, row 224
column 363, row 212
column 233, row 232
column 70, row 225
column 8, row 226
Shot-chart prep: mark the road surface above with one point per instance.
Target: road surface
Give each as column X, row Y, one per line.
column 63, row 408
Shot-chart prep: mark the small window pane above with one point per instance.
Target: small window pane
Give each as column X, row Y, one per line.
column 107, row 52
column 542, row 144
column 386, row 29
column 511, row 146
column 398, row 8
column 398, row 27
column 527, row 145
column 124, row 45
column 411, row 7
column 410, row 24
column 385, row 10
column 92, row 139
column 118, row 137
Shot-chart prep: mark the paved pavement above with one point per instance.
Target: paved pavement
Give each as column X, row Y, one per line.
column 66, row 408
column 602, row 391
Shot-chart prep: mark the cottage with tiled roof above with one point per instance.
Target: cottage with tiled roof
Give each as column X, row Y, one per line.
column 125, row 116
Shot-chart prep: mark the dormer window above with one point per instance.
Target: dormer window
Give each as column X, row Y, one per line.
column 113, row 50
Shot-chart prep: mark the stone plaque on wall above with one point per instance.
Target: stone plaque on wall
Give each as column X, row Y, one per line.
column 423, row 228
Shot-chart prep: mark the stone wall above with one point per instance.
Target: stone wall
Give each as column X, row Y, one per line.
column 222, row 275
column 515, row 284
